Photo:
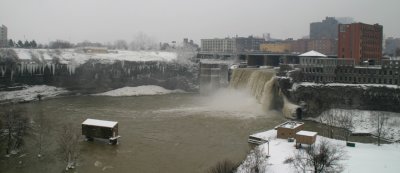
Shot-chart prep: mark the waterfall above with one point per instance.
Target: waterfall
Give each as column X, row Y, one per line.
column 261, row 84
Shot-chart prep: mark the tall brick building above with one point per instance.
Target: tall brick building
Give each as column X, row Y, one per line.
column 360, row 41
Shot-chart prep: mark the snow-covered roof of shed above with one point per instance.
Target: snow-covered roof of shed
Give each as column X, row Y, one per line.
column 306, row 133
column 290, row 124
column 101, row 123
column 313, row 54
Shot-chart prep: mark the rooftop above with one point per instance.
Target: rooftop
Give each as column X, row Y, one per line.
column 313, row 54
column 306, row 133
column 290, row 124
column 101, row 123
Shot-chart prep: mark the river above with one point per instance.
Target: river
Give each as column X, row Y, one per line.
column 162, row 133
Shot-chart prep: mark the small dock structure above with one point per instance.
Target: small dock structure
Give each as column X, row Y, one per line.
column 305, row 137
column 93, row 128
column 288, row 129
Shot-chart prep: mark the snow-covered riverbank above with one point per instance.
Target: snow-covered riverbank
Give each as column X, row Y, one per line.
column 139, row 91
column 30, row 93
column 364, row 121
column 362, row 158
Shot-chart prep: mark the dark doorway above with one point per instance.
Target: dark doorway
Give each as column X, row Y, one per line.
column 299, row 113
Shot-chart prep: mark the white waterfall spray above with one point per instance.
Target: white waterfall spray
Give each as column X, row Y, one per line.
column 260, row 83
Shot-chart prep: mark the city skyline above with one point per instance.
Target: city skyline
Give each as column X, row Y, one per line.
column 106, row 21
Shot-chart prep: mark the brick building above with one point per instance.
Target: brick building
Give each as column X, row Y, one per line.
column 360, row 41
column 325, row 46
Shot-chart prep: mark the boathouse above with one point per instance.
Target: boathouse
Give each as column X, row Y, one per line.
column 92, row 128
column 288, row 129
column 305, row 137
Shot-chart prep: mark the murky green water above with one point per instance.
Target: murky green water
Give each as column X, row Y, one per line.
column 165, row 133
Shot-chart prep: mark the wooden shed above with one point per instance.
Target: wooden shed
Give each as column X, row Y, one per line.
column 288, row 129
column 102, row 129
column 305, row 137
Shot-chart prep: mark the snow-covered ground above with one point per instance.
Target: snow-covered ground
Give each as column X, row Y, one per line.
column 364, row 86
column 30, row 93
column 69, row 56
column 138, row 91
column 364, row 121
column 362, row 158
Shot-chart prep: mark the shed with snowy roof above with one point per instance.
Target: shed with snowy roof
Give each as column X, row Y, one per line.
column 305, row 137
column 92, row 128
column 288, row 129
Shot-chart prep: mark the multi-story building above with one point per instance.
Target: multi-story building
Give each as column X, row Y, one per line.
column 218, row 45
column 248, row 44
column 325, row 46
column 275, row 47
column 391, row 45
column 3, row 36
column 344, row 70
column 360, row 41
column 299, row 46
column 231, row 45
column 327, row 29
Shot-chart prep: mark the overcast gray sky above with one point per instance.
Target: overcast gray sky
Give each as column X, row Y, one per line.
column 167, row 20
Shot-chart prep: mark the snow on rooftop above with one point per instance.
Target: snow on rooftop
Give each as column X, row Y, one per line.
column 306, row 133
column 290, row 124
column 295, row 86
column 101, row 123
column 312, row 54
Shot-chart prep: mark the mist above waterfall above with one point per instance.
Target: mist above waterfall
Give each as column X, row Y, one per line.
column 231, row 100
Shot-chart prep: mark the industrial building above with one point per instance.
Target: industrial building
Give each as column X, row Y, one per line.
column 231, row 45
column 321, row 69
column 362, row 42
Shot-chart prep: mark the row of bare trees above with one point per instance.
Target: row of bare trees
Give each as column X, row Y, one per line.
column 15, row 125
column 344, row 119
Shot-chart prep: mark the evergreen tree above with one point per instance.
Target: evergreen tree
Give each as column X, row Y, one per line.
column 11, row 43
column 27, row 44
column 20, row 44
column 33, row 44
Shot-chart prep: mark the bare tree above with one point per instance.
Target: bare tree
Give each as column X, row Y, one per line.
column 225, row 166
column 121, row 44
column 69, row 145
column 15, row 126
column 381, row 123
column 143, row 42
column 41, row 126
column 345, row 121
column 256, row 162
column 330, row 119
column 323, row 157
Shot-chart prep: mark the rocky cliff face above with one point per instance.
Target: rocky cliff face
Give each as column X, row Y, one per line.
column 96, row 76
column 318, row 97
